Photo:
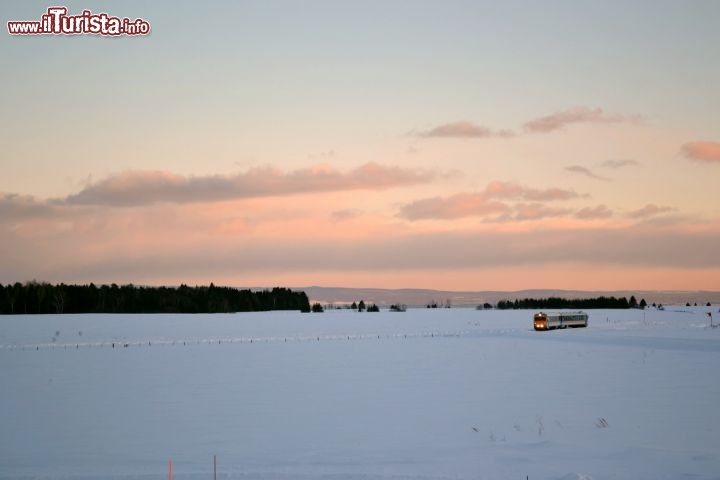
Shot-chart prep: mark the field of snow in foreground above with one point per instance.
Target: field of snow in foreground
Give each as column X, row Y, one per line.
column 420, row 395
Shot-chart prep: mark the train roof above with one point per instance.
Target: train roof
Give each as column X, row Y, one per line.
column 564, row 312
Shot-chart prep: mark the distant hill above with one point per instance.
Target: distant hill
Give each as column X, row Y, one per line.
column 421, row 297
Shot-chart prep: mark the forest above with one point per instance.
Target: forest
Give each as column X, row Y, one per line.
column 557, row 302
column 43, row 298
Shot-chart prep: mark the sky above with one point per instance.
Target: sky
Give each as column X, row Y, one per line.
column 456, row 145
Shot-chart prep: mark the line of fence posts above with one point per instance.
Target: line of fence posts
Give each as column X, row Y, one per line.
column 214, row 468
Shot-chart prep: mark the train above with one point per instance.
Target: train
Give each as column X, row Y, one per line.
column 550, row 321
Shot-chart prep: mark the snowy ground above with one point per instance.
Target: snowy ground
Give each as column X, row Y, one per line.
column 421, row 395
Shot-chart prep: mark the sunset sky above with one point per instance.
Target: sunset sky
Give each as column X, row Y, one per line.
column 458, row 145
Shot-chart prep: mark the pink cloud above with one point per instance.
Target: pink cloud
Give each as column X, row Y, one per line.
column 592, row 213
column 141, row 187
column 544, row 124
column 186, row 253
column 271, row 237
column 509, row 190
column 13, row 206
column 486, row 203
column 649, row 210
column 559, row 120
column 585, row 171
column 538, row 211
column 620, row 163
column 454, row 206
column 464, row 129
column 702, row 151
column 346, row 214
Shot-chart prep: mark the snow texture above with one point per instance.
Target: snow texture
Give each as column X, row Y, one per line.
column 422, row 395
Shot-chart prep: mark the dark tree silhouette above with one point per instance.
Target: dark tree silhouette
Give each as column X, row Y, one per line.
column 34, row 298
column 373, row 308
column 559, row 303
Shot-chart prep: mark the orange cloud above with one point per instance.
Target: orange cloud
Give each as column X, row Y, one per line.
column 140, row 187
column 559, row 120
column 464, row 129
column 702, row 151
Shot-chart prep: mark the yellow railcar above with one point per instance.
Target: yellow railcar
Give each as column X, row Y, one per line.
column 550, row 321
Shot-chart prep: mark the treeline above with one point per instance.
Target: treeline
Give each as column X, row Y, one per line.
column 35, row 297
column 559, row 303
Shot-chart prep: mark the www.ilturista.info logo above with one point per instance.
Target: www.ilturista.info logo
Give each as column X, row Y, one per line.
column 57, row 22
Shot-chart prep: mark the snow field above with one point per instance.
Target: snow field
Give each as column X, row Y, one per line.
column 425, row 394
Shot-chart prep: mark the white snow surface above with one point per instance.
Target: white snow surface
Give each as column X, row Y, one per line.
column 421, row 395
